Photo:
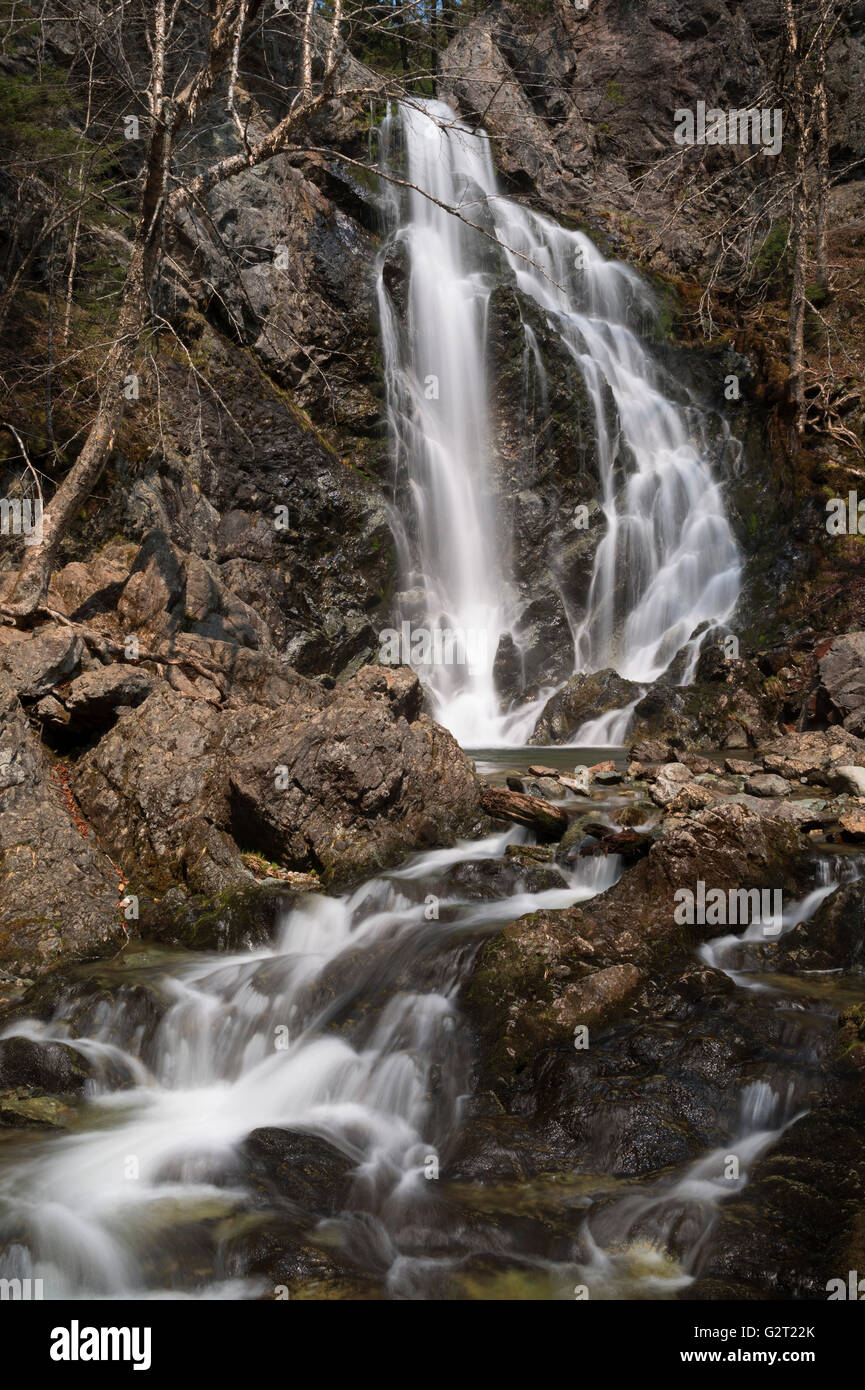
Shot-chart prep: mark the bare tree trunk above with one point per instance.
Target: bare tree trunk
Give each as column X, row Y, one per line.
column 798, row 227
column 434, row 44
column 76, row 230
column 27, row 589
column 822, row 151
column 31, row 582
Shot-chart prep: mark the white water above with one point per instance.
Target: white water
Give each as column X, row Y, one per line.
column 650, row 1242
column 667, row 564
column 90, row 1212
column 734, row 952
column 629, row 1242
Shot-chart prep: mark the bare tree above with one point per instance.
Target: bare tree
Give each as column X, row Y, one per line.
column 798, row 218
column 173, row 96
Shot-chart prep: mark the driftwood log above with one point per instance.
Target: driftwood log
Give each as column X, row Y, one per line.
column 548, row 821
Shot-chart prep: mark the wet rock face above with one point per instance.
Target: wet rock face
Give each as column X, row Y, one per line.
column 833, row 939
column 547, row 973
column 798, row 1223
column 256, row 528
column 300, row 1169
column 583, row 698
column 51, row 1067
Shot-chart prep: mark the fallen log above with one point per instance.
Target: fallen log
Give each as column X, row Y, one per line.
column 548, row 821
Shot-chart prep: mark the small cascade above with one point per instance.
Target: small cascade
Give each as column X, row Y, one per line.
column 92, row 1213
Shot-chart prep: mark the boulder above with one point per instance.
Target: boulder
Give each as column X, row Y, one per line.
column 847, row 779
column 583, row 698
column 521, row 975
column 841, row 693
column 43, row 1066
column 767, row 784
column 833, row 938
column 301, row 1169
column 742, row 767
column 814, row 753
column 650, row 750
column 344, row 783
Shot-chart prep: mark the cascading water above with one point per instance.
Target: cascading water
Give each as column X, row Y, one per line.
column 437, row 390
column 102, row 1211
column 667, row 567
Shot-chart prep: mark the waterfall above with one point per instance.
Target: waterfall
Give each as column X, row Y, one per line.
column 437, row 393
column 667, row 567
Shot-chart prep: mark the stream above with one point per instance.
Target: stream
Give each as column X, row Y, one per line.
column 348, row 1029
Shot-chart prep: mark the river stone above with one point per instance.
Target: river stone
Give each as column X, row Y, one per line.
column 767, row 784
column 790, row 768
column 537, row 854
column 299, row 1168
column 664, row 792
column 548, row 787
column 43, row 1066
column 40, row 1112
column 691, row 797
column 650, row 750
column 847, row 779
column 675, row 772
column 578, row 786
column 741, row 767
column 609, row 777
